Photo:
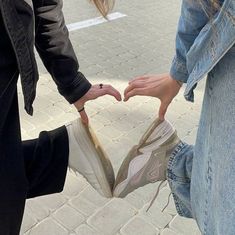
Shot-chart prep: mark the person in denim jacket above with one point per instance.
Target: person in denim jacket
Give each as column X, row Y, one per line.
column 38, row 167
column 201, row 177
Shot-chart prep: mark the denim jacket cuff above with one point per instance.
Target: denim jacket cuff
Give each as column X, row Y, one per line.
column 76, row 90
column 179, row 71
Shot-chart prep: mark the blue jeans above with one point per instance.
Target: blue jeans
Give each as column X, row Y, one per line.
column 202, row 177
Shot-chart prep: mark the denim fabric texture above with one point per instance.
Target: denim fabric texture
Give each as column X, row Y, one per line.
column 201, row 42
column 202, row 177
column 179, row 178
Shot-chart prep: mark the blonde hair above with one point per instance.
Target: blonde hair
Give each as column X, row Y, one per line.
column 210, row 6
column 215, row 3
column 104, row 6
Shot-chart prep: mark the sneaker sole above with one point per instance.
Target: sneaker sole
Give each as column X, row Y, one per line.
column 149, row 173
column 149, row 165
column 97, row 158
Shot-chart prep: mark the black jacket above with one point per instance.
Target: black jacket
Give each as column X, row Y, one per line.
column 50, row 36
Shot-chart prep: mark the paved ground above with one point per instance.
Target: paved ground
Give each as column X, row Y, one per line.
column 141, row 43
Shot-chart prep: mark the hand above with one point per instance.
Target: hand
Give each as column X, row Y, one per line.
column 163, row 87
column 95, row 92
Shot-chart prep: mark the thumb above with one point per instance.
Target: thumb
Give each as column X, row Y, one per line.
column 84, row 117
column 162, row 110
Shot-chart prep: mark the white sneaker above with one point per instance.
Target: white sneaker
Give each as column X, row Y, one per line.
column 147, row 162
column 87, row 157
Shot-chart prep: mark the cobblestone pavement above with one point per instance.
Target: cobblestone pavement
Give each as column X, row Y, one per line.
column 114, row 52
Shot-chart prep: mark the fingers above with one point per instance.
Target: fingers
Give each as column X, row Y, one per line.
column 162, row 111
column 134, row 92
column 84, row 117
column 134, row 85
column 148, row 79
column 109, row 90
column 139, row 79
column 143, row 82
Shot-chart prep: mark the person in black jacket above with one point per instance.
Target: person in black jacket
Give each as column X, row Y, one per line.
column 38, row 167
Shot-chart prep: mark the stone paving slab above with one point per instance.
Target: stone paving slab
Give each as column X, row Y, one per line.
column 114, row 52
column 88, row 210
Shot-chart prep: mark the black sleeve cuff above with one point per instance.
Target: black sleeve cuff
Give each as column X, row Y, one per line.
column 76, row 90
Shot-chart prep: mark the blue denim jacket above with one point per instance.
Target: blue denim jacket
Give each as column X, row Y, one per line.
column 201, row 43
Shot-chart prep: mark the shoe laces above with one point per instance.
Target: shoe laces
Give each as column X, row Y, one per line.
column 155, row 197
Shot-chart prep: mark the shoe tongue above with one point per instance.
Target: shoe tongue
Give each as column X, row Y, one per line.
column 161, row 130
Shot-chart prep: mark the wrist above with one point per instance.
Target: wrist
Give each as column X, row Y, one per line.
column 176, row 82
column 179, row 83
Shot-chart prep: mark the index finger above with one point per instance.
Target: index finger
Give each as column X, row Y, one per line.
column 134, row 85
column 109, row 90
column 84, row 117
column 140, row 79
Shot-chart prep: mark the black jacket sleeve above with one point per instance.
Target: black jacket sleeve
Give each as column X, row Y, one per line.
column 56, row 51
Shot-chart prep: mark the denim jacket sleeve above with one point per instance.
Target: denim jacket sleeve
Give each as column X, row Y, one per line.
column 56, row 51
column 193, row 18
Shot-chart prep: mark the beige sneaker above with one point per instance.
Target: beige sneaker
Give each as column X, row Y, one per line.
column 147, row 162
column 87, row 157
